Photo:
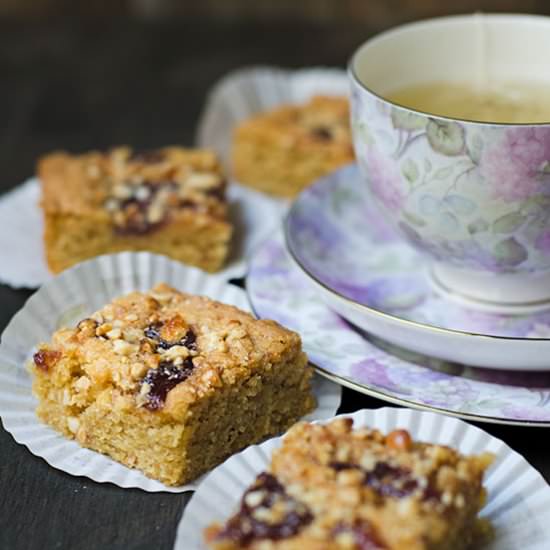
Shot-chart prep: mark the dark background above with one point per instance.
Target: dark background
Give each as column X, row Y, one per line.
column 80, row 75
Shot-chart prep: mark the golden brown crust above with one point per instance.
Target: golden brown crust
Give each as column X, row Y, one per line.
column 359, row 485
column 171, row 368
column 81, row 184
column 285, row 149
column 170, row 201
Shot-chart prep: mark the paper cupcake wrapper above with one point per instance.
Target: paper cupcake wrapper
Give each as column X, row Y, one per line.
column 518, row 497
column 245, row 92
column 65, row 300
column 21, row 232
column 255, row 215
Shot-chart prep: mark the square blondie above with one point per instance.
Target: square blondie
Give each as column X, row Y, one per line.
column 170, row 201
column 170, row 383
column 284, row 150
column 332, row 487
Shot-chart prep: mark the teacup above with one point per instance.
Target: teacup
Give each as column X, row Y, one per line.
column 474, row 196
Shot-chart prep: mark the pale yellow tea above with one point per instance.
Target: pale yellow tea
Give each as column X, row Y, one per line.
column 527, row 102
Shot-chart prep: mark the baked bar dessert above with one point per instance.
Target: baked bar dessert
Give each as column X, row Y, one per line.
column 170, row 201
column 330, row 487
column 170, row 383
column 284, row 150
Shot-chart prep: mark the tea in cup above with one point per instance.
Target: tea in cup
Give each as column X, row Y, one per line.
column 451, row 128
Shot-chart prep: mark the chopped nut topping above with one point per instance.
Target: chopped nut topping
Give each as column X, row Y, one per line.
column 266, row 512
column 147, row 188
column 400, row 440
column 174, row 352
column 82, row 383
column 93, row 171
column 203, row 180
column 122, row 347
column 360, row 535
column 174, row 332
column 114, row 334
column 87, row 327
column 103, row 329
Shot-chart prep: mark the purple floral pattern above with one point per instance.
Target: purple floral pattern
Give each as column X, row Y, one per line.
column 474, row 195
column 385, row 180
column 377, row 269
column 512, row 166
column 278, row 290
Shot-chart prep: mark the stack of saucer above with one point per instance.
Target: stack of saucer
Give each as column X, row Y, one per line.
column 371, row 318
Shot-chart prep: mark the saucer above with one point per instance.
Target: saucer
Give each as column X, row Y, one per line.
column 367, row 274
column 278, row 290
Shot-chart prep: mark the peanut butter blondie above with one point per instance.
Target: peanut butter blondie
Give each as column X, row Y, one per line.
column 170, row 383
column 282, row 151
column 170, row 201
column 332, row 488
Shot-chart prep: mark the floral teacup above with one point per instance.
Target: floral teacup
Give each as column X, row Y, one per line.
column 474, row 196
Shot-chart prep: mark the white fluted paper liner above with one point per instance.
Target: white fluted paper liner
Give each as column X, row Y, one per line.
column 65, row 300
column 22, row 263
column 518, row 497
column 245, row 92
column 255, row 215
column 22, row 259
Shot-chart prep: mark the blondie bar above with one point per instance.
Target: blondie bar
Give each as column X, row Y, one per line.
column 170, row 383
column 284, row 150
column 330, row 487
column 170, row 201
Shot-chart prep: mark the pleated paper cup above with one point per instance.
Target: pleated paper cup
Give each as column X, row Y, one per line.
column 518, row 503
column 246, row 92
column 65, row 300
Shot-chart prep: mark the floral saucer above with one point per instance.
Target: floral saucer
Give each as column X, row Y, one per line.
column 278, row 289
column 367, row 274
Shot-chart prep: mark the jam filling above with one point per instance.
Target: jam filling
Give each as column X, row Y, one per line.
column 217, row 192
column 167, row 375
column 44, row 359
column 322, row 133
column 162, row 379
column 388, row 481
column 153, row 333
column 364, row 536
column 251, row 521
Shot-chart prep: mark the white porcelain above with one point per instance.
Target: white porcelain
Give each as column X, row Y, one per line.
column 472, row 196
column 370, row 276
column 478, row 289
column 279, row 290
column 518, row 501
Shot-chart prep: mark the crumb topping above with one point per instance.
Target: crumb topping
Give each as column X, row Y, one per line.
column 266, row 512
column 144, row 346
column 146, row 188
column 321, row 122
column 363, row 490
column 136, row 192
